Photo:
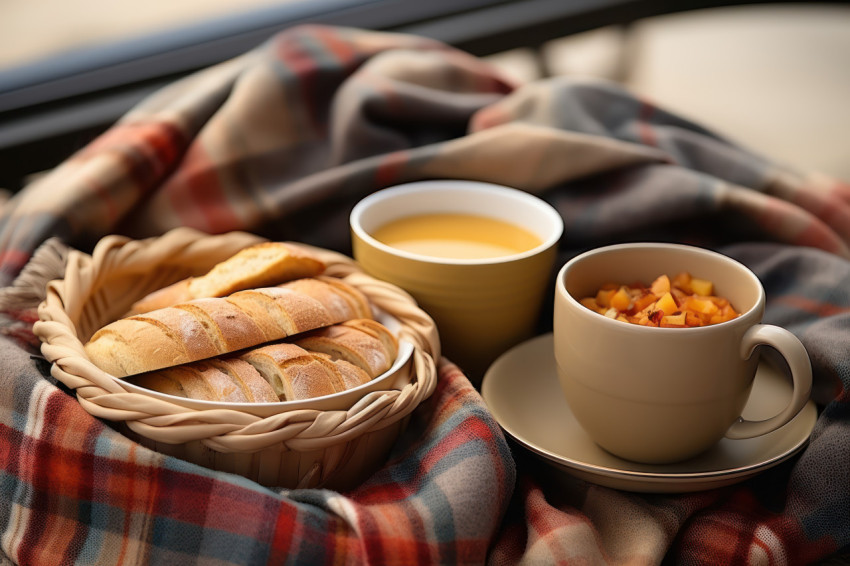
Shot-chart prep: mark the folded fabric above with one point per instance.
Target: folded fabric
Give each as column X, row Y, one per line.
column 76, row 491
column 281, row 142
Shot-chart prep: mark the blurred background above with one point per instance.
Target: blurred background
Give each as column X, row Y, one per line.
column 774, row 77
column 33, row 30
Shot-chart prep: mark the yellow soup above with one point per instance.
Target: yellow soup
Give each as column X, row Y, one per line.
column 458, row 236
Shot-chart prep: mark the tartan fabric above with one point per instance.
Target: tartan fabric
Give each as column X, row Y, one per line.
column 282, row 141
column 77, row 492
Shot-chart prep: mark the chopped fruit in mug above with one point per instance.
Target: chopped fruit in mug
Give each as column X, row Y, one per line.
column 680, row 302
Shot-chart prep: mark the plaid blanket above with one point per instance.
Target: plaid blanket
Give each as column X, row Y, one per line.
column 281, row 142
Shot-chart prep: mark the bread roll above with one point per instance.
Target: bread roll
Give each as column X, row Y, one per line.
column 205, row 328
column 262, row 265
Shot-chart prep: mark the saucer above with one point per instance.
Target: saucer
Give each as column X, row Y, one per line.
column 522, row 391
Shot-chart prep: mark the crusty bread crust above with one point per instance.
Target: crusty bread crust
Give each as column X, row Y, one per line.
column 171, row 295
column 262, row 265
column 205, row 328
column 229, row 326
column 350, row 374
column 372, row 348
column 207, row 382
column 340, row 297
column 254, row 388
column 288, row 370
column 230, row 381
column 376, row 330
column 161, row 348
column 293, row 372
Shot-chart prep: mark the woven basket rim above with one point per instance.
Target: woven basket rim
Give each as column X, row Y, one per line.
column 226, row 430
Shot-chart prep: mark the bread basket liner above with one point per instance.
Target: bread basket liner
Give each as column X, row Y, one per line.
column 98, row 288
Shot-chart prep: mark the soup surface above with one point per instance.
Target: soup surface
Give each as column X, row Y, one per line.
column 458, row 236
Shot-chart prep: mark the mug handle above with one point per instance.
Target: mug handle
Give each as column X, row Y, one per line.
column 790, row 347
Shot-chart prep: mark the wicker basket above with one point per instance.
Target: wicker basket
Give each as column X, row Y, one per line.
column 291, row 446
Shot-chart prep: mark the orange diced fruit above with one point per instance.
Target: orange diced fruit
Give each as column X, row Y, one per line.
column 603, row 297
column 682, row 281
column 621, row 299
column 702, row 306
column 649, row 310
column 681, row 301
column 726, row 313
column 702, row 287
column 655, row 317
column 643, row 301
column 667, row 304
column 692, row 320
column 660, row 286
column 679, row 295
column 676, row 320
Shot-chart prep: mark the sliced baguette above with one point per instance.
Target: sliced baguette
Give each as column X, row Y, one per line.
column 254, row 387
column 293, row 372
column 288, row 371
column 339, row 297
column 351, row 375
column 262, row 265
column 205, row 328
column 364, row 343
column 229, row 381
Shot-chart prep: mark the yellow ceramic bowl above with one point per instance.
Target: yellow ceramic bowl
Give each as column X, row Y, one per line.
column 482, row 307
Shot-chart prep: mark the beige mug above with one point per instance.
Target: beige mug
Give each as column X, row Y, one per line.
column 481, row 306
column 662, row 395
